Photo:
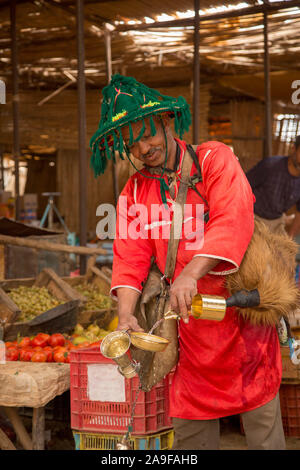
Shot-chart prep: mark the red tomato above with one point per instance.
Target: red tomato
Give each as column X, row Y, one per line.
column 39, row 341
column 61, row 355
column 26, row 354
column 57, row 339
column 9, row 344
column 45, row 336
column 49, row 352
column 25, row 342
column 12, row 354
column 39, row 356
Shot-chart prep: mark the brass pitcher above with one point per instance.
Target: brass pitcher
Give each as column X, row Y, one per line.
column 115, row 346
column 213, row 307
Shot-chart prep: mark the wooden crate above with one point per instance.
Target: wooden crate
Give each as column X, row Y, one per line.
column 290, row 371
column 62, row 318
column 102, row 280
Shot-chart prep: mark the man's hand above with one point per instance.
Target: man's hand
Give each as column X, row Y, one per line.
column 128, row 322
column 127, row 299
column 182, row 291
column 184, row 288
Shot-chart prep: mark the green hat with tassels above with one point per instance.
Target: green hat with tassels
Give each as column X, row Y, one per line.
column 125, row 100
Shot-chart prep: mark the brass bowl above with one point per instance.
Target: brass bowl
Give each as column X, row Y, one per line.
column 148, row 342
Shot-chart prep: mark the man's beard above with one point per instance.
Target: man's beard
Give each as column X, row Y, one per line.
column 151, row 152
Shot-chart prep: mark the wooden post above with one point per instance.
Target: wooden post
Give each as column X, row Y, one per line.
column 81, row 132
column 196, row 80
column 267, row 83
column 15, row 100
column 38, row 428
column 18, row 426
column 5, row 442
column 107, row 40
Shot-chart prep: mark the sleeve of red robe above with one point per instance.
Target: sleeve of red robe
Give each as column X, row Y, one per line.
column 230, row 200
column 132, row 258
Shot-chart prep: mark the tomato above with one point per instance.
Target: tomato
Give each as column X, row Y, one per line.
column 57, row 339
column 12, row 354
column 39, row 356
column 37, row 348
column 9, row 344
column 61, row 355
column 58, row 348
column 40, row 340
column 26, row 354
column 45, row 336
column 49, row 352
column 24, row 342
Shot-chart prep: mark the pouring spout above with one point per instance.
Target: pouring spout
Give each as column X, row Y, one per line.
column 170, row 315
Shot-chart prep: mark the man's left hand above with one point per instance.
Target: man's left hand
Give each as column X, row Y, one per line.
column 184, row 288
column 182, row 291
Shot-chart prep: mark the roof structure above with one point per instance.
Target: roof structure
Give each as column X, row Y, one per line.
column 147, row 34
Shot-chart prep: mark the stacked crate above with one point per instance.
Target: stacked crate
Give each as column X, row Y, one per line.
column 290, row 394
column 102, row 401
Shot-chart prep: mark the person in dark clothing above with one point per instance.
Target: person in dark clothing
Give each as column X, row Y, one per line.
column 275, row 182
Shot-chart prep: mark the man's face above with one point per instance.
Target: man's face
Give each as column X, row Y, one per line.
column 150, row 150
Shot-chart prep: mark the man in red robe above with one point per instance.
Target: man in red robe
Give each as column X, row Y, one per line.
column 225, row 368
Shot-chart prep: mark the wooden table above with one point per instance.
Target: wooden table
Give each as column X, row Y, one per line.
column 31, row 385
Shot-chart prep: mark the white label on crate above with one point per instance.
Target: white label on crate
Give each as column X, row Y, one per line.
column 105, row 383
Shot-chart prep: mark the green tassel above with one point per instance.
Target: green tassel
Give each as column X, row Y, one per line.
column 121, row 144
column 152, row 126
column 102, row 162
column 130, row 135
column 107, row 148
column 141, row 132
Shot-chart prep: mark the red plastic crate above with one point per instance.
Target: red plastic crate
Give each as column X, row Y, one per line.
column 151, row 411
column 290, row 408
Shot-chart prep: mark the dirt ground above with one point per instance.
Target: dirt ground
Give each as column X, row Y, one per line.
column 59, row 435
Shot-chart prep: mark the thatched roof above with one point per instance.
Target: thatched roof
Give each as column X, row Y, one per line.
column 48, row 50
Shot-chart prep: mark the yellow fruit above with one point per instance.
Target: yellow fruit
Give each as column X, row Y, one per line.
column 113, row 324
column 79, row 340
column 78, row 329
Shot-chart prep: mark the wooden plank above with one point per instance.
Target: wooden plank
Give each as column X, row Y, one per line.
column 18, row 426
column 5, row 442
column 42, row 245
column 38, row 428
column 8, row 309
column 58, row 287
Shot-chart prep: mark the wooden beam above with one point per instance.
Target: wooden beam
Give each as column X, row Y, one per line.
column 15, row 103
column 183, row 22
column 5, row 442
column 196, row 80
column 18, row 426
column 48, row 246
column 267, row 85
column 81, row 131
column 38, row 428
column 108, row 61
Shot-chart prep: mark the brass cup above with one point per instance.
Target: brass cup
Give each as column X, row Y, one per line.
column 115, row 346
column 208, row 307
